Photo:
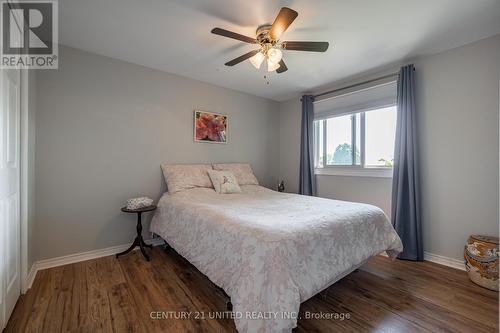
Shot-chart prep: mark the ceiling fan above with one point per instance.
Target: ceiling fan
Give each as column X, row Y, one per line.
column 268, row 37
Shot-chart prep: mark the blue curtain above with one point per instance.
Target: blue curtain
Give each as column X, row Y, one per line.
column 405, row 183
column 307, row 181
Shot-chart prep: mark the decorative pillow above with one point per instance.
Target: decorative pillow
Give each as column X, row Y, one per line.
column 224, row 182
column 181, row 177
column 242, row 171
column 140, row 202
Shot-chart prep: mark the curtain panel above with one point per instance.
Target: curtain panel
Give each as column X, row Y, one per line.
column 307, row 180
column 405, row 212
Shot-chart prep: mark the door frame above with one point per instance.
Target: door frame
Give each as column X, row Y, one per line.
column 25, row 179
column 24, row 175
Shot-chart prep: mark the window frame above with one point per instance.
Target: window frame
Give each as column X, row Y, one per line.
column 361, row 170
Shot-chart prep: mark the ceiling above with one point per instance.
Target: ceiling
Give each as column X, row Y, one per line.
column 174, row 36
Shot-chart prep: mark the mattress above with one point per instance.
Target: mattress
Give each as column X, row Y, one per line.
column 271, row 251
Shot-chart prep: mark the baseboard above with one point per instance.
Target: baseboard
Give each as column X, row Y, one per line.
column 442, row 260
column 31, row 276
column 77, row 257
column 446, row 261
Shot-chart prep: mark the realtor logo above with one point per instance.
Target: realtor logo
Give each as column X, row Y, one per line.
column 29, row 34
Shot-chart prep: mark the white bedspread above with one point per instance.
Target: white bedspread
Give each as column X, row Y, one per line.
column 271, row 251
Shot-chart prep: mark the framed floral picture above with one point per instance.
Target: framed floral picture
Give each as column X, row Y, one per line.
column 210, row 127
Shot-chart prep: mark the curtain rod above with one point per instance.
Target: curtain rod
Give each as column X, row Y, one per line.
column 356, row 85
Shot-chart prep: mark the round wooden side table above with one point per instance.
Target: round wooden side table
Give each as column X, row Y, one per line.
column 138, row 241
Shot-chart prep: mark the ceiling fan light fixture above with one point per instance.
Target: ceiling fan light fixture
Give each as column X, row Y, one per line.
column 268, row 39
column 274, row 55
column 257, row 60
column 272, row 66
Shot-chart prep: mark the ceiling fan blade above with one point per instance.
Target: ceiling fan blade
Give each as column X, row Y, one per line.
column 242, row 58
column 282, row 22
column 282, row 67
column 234, row 35
column 306, row 46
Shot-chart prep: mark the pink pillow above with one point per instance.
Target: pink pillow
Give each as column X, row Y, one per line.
column 181, row 177
column 242, row 171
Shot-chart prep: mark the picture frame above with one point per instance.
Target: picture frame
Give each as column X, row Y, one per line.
column 210, row 127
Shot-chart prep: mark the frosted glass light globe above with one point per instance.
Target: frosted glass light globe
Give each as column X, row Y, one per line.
column 257, row 60
column 274, row 55
column 272, row 66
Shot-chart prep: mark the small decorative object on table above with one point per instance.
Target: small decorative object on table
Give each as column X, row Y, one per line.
column 281, row 186
column 481, row 260
column 137, row 203
column 138, row 241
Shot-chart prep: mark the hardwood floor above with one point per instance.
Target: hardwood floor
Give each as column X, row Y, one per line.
column 110, row 295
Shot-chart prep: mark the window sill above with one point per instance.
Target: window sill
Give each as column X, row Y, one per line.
column 355, row 172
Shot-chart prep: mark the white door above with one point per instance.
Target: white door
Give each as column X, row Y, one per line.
column 9, row 192
column 10, row 176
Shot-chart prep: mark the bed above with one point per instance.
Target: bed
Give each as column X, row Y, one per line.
column 270, row 251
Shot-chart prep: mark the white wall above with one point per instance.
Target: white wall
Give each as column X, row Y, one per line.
column 457, row 96
column 104, row 126
column 289, row 143
column 458, row 129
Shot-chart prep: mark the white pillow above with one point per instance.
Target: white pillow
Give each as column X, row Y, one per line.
column 224, row 182
column 242, row 171
column 181, row 177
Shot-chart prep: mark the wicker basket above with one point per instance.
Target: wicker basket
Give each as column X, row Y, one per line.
column 481, row 260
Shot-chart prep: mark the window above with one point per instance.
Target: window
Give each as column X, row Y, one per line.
column 358, row 143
